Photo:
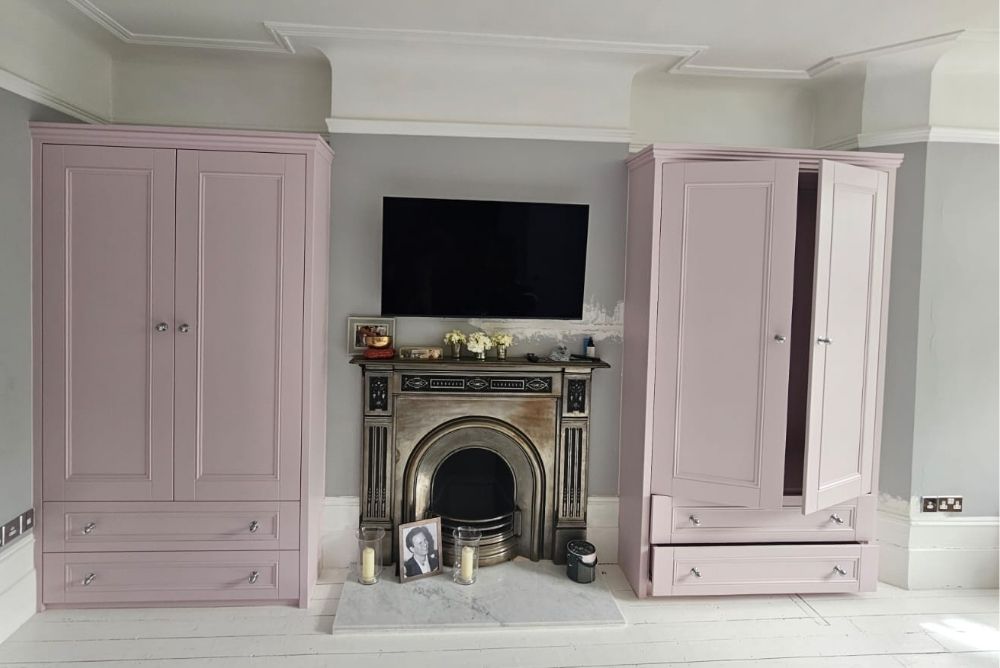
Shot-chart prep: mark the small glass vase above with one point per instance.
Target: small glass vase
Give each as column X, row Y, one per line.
column 480, row 355
column 501, row 352
column 466, row 541
column 369, row 554
column 456, row 350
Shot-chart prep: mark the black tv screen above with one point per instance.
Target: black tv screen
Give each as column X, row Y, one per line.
column 472, row 258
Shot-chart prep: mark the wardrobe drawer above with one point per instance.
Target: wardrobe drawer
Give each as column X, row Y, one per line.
column 145, row 577
column 171, row 525
column 763, row 569
column 670, row 523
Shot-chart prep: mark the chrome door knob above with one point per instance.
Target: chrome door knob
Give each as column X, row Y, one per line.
column 695, row 572
column 694, row 520
column 825, row 341
column 779, row 338
column 161, row 327
column 89, row 527
column 254, row 526
column 836, row 518
column 253, row 578
column 88, row 579
column 839, row 571
column 184, row 329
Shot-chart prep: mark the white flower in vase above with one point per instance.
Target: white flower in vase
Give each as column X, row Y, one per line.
column 478, row 343
column 455, row 336
column 502, row 339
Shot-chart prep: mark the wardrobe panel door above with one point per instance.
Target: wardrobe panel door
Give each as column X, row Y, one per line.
column 107, row 279
column 727, row 247
column 240, row 241
column 847, row 305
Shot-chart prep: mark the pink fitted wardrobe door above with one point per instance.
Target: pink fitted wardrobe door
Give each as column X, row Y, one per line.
column 727, row 245
column 107, row 282
column 847, row 305
column 240, row 263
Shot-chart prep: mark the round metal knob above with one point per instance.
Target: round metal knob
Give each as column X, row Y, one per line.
column 837, row 518
column 89, row 527
column 779, row 338
column 161, row 327
column 184, row 329
column 253, row 578
column 695, row 572
column 839, row 571
column 825, row 341
column 694, row 520
column 254, row 526
column 88, row 579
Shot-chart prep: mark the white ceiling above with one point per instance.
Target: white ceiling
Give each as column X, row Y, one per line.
column 779, row 38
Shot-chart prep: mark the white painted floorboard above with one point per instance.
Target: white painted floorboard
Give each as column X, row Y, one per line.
column 891, row 628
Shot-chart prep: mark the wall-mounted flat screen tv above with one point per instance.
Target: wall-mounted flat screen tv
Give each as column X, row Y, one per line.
column 451, row 258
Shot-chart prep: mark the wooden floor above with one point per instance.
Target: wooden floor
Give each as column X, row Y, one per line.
column 890, row 628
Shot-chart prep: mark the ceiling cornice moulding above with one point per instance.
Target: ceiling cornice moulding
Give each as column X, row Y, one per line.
column 32, row 91
column 918, row 135
column 374, row 126
column 283, row 35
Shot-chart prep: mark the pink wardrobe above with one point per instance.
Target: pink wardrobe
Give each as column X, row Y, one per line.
column 180, row 300
column 755, row 326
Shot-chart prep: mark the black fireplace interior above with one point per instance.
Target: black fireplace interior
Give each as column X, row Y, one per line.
column 473, row 485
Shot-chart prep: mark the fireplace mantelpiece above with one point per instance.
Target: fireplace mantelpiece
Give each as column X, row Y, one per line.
column 535, row 415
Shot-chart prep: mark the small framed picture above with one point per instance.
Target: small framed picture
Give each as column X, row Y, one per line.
column 419, row 549
column 360, row 326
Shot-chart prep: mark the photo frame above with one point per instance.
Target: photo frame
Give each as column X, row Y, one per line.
column 359, row 326
column 419, row 549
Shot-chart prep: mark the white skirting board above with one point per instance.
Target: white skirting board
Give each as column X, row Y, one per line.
column 340, row 520
column 936, row 550
column 18, row 594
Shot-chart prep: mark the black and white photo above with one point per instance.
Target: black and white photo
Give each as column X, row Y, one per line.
column 419, row 549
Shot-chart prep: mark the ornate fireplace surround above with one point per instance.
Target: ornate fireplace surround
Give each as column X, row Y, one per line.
column 533, row 416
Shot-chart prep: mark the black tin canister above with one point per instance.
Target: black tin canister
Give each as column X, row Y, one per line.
column 578, row 553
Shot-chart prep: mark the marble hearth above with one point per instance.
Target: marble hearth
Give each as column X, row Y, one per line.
column 499, row 444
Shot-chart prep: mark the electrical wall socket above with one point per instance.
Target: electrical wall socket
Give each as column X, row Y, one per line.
column 11, row 530
column 949, row 504
column 21, row 524
column 928, row 504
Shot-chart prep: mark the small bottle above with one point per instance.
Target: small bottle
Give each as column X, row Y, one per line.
column 590, row 350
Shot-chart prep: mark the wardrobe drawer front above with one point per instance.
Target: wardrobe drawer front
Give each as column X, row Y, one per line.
column 110, row 527
column 763, row 569
column 143, row 577
column 722, row 524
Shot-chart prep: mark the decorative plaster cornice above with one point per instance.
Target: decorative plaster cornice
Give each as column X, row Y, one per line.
column 928, row 134
column 283, row 33
column 32, row 91
column 491, row 130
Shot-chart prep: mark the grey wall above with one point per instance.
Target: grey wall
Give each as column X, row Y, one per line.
column 904, row 305
column 956, row 435
column 940, row 430
column 367, row 167
column 15, row 299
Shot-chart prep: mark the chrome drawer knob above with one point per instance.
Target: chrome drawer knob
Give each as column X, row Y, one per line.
column 253, row 578
column 161, row 327
column 694, row 520
column 695, row 572
column 88, row 578
column 254, row 526
column 825, row 341
column 779, row 338
column 837, row 518
column 839, row 571
column 184, row 329
column 89, row 527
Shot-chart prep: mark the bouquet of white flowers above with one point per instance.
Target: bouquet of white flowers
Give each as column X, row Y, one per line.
column 454, row 336
column 502, row 339
column 478, row 342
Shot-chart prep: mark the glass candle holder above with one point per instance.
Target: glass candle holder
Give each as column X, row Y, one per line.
column 369, row 554
column 466, row 541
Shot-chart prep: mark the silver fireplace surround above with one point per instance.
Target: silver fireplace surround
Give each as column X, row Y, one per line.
column 534, row 416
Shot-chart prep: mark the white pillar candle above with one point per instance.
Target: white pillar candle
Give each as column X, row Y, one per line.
column 368, row 564
column 468, row 555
